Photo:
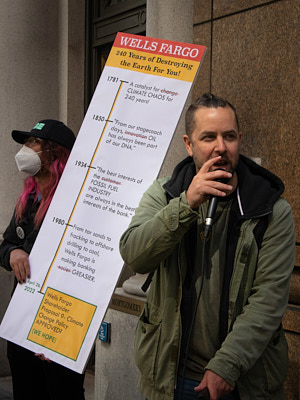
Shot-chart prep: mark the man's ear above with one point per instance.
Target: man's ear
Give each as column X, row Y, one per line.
column 188, row 145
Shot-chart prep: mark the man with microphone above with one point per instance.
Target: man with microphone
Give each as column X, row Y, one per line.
column 218, row 241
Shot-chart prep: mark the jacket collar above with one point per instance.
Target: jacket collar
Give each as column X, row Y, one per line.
column 259, row 189
column 181, row 178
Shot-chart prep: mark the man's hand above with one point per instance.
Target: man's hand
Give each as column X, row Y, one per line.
column 204, row 184
column 216, row 385
column 20, row 264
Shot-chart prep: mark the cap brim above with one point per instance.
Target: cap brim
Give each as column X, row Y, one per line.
column 20, row 136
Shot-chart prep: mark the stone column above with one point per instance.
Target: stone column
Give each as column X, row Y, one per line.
column 170, row 19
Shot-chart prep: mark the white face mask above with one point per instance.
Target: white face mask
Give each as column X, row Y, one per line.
column 28, row 161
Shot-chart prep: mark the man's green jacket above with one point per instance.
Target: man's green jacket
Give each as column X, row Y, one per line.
column 253, row 355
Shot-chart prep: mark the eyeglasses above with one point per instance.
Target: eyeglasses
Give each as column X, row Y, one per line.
column 33, row 140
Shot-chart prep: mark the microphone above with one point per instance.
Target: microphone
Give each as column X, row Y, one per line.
column 212, row 206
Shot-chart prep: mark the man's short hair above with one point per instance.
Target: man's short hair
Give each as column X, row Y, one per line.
column 207, row 100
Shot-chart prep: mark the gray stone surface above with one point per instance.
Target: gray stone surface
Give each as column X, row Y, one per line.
column 115, row 370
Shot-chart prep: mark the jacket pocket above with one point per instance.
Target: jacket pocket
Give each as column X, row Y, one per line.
column 146, row 345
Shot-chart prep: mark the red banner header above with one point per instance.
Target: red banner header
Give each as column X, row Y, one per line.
column 160, row 46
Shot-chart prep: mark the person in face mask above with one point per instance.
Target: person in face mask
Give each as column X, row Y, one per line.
column 43, row 157
column 29, row 160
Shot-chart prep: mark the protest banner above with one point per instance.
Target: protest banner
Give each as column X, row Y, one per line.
column 75, row 261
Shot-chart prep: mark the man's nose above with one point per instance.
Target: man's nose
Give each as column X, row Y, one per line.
column 220, row 147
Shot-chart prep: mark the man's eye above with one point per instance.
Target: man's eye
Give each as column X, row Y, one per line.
column 230, row 137
column 208, row 138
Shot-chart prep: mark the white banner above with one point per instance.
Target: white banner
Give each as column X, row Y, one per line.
column 75, row 261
